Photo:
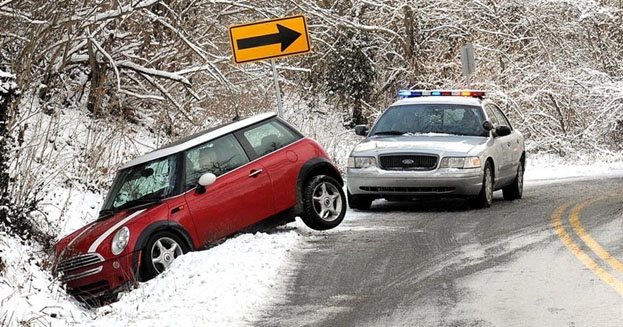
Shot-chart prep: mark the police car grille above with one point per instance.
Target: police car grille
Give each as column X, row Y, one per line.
column 409, row 162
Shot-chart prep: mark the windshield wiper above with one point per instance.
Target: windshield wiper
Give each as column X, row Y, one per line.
column 105, row 213
column 390, row 133
column 138, row 202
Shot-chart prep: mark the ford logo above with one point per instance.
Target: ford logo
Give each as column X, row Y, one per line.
column 408, row 161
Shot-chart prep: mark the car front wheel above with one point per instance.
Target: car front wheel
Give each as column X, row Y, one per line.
column 485, row 198
column 324, row 203
column 161, row 250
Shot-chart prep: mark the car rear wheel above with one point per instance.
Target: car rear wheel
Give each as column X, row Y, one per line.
column 485, row 198
column 515, row 190
column 324, row 203
column 161, row 250
column 359, row 202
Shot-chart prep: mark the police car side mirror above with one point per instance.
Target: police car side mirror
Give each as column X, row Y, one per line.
column 502, row 131
column 361, row 130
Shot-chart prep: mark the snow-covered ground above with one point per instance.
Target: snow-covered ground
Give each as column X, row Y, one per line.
column 224, row 286
column 551, row 169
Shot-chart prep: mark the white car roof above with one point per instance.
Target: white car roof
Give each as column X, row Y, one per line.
column 197, row 139
column 471, row 101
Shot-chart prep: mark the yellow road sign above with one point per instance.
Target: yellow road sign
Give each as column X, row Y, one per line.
column 267, row 39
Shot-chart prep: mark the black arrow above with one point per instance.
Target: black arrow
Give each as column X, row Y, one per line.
column 285, row 36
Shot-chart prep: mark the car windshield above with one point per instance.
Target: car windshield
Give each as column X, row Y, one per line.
column 146, row 183
column 431, row 118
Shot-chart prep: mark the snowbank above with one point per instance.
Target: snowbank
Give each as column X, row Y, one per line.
column 544, row 168
column 223, row 286
column 227, row 285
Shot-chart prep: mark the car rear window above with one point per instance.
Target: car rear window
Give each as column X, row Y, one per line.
column 268, row 137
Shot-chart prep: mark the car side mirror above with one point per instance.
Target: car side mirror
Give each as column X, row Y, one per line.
column 502, row 131
column 361, row 130
column 205, row 180
column 487, row 125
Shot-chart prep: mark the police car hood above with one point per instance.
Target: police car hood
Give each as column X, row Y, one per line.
column 433, row 143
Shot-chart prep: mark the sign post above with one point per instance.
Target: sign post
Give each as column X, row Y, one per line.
column 467, row 60
column 270, row 39
column 277, row 90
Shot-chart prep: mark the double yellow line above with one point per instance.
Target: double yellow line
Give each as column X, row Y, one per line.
column 574, row 219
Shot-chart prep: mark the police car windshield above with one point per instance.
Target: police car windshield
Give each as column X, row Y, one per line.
column 431, row 118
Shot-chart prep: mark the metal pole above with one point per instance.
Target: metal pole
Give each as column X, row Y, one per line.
column 469, row 87
column 277, row 91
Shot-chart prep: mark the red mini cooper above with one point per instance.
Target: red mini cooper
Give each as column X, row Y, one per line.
column 192, row 192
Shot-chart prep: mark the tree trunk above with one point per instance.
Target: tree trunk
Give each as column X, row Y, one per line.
column 97, row 79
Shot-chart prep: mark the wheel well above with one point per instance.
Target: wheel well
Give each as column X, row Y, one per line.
column 323, row 170
column 490, row 160
column 179, row 234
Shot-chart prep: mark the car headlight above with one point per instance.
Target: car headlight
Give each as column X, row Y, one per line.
column 361, row 162
column 460, row 162
column 120, row 241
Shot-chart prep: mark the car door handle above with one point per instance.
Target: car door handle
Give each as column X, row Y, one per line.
column 255, row 172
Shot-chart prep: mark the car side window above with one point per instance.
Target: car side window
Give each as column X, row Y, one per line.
column 492, row 117
column 501, row 117
column 217, row 156
column 269, row 137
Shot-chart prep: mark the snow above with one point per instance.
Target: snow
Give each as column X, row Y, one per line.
column 545, row 168
column 230, row 283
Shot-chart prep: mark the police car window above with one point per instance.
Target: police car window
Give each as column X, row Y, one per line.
column 501, row 118
column 218, row 157
column 269, row 137
column 492, row 117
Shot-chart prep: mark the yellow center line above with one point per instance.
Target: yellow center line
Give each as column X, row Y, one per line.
column 574, row 218
column 583, row 257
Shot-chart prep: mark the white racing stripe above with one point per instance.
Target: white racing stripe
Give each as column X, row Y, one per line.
column 102, row 237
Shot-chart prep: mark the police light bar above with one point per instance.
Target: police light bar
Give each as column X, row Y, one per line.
column 437, row 93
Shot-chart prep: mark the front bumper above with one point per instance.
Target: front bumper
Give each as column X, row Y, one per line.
column 100, row 279
column 438, row 182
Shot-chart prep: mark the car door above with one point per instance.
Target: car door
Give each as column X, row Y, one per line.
column 500, row 149
column 271, row 142
column 515, row 143
column 242, row 192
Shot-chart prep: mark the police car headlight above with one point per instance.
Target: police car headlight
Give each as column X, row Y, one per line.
column 120, row 240
column 361, row 162
column 460, row 162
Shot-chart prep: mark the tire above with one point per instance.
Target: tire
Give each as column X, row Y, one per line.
column 485, row 198
column 515, row 190
column 324, row 203
column 153, row 262
column 359, row 202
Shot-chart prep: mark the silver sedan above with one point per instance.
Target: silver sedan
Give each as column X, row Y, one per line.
column 429, row 144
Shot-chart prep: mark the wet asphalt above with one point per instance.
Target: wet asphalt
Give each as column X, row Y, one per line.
column 443, row 263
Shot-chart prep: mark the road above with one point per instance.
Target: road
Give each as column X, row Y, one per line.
column 550, row 259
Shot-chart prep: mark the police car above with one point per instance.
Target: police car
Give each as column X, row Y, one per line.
column 444, row 143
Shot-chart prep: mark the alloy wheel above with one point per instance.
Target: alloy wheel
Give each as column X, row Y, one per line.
column 327, row 201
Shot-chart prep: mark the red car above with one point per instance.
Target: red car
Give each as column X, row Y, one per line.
column 192, row 192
